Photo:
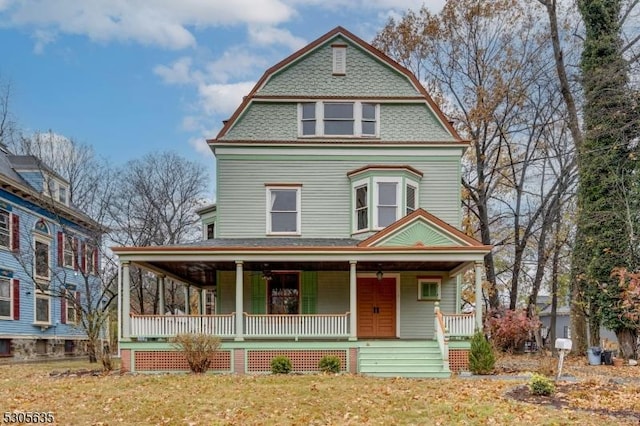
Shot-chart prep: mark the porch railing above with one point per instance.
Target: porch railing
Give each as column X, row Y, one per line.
column 330, row 325
column 459, row 325
column 442, row 336
column 170, row 325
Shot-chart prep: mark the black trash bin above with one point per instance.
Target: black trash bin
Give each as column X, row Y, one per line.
column 607, row 357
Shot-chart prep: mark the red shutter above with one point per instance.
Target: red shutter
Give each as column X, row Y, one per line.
column 83, row 257
column 63, row 307
column 15, row 232
column 95, row 260
column 16, row 299
column 60, row 249
column 75, row 250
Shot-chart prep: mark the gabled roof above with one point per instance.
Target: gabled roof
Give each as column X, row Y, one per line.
column 336, row 32
column 421, row 229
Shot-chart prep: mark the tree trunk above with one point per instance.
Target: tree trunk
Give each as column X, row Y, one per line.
column 628, row 341
column 91, row 351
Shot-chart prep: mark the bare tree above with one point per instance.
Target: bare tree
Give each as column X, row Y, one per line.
column 8, row 126
column 155, row 205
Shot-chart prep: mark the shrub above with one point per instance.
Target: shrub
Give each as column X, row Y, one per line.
column 482, row 360
column 510, row 329
column 329, row 364
column 198, row 348
column 541, row 385
column 281, row 365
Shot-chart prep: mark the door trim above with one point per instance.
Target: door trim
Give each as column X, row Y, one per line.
column 395, row 275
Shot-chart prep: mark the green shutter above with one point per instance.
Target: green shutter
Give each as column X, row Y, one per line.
column 258, row 294
column 309, row 289
column 218, row 296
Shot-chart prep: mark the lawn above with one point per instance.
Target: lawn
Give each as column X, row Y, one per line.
column 603, row 395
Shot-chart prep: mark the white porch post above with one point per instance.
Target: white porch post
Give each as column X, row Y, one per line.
column 126, row 302
column 187, row 300
column 239, row 308
column 161, row 302
column 203, row 302
column 353, row 324
column 479, row 301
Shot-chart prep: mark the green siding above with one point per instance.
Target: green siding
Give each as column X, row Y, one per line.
column 309, row 292
column 417, row 317
column 312, row 75
column 333, row 292
column 326, row 193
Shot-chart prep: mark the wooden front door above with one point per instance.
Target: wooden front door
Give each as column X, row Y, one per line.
column 376, row 302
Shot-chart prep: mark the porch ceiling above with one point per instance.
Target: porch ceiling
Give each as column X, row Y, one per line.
column 203, row 273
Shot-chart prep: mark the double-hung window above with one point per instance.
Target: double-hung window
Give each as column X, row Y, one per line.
column 69, row 251
column 283, row 210
column 5, row 229
column 361, row 197
column 387, row 196
column 410, row 199
column 338, row 119
column 41, row 260
column 43, row 308
column 5, row 298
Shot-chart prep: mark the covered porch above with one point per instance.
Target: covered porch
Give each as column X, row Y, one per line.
column 313, row 291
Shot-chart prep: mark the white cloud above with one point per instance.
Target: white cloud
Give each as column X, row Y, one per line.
column 179, row 72
column 42, row 37
column 163, row 23
column 200, row 144
column 223, row 98
column 268, row 35
column 233, row 64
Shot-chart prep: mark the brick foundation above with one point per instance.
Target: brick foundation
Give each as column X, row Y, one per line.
column 125, row 360
column 238, row 361
column 458, row 360
column 259, row 361
column 353, row 360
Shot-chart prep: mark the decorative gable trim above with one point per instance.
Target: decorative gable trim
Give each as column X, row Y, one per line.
column 439, row 233
column 316, row 44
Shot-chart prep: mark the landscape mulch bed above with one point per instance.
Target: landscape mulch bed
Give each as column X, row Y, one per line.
column 560, row 399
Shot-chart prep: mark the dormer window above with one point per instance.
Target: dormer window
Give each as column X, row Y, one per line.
column 339, row 119
column 62, row 194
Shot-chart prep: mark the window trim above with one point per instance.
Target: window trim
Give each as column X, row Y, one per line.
column 422, row 281
column 9, row 229
column 41, row 295
column 68, row 242
column 414, row 186
column 357, row 119
column 298, row 189
column 71, row 306
column 47, row 241
column 376, row 197
column 9, row 299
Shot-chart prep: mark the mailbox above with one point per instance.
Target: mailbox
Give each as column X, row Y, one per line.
column 563, row 344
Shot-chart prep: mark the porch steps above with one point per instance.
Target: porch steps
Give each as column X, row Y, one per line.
column 420, row 358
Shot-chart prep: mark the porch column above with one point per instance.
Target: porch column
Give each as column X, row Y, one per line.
column 479, row 301
column 239, row 307
column 161, row 302
column 353, row 324
column 203, row 302
column 126, row 302
column 187, row 300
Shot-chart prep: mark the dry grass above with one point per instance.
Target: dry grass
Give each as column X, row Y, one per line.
column 281, row 400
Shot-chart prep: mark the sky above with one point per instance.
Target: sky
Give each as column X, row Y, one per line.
column 131, row 77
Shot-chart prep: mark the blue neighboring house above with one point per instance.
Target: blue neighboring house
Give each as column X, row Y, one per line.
column 47, row 248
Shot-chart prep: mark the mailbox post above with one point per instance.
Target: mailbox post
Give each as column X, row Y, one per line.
column 564, row 346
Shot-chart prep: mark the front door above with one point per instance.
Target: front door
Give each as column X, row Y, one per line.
column 376, row 302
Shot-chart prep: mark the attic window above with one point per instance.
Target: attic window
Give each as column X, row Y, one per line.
column 339, row 59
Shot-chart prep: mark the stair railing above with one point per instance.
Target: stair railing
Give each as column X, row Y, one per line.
column 442, row 336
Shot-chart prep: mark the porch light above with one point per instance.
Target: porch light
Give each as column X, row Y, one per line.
column 379, row 274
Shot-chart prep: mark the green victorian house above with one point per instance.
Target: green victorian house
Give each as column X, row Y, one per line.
column 336, row 228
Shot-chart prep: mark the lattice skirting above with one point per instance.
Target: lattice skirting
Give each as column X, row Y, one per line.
column 458, row 360
column 303, row 360
column 175, row 361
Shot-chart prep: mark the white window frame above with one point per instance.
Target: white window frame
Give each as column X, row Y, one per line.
column 40, row 295
column 89, row 266
column 64, row 200
column 339, row 59
column 422, row 281
column 357, row 119
column 298, row 189
column 71, row 307
column 354, row 187
column 376, row 197
column 8, row 230
column 9, row 281
column 47, row 241
column 67, row 249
